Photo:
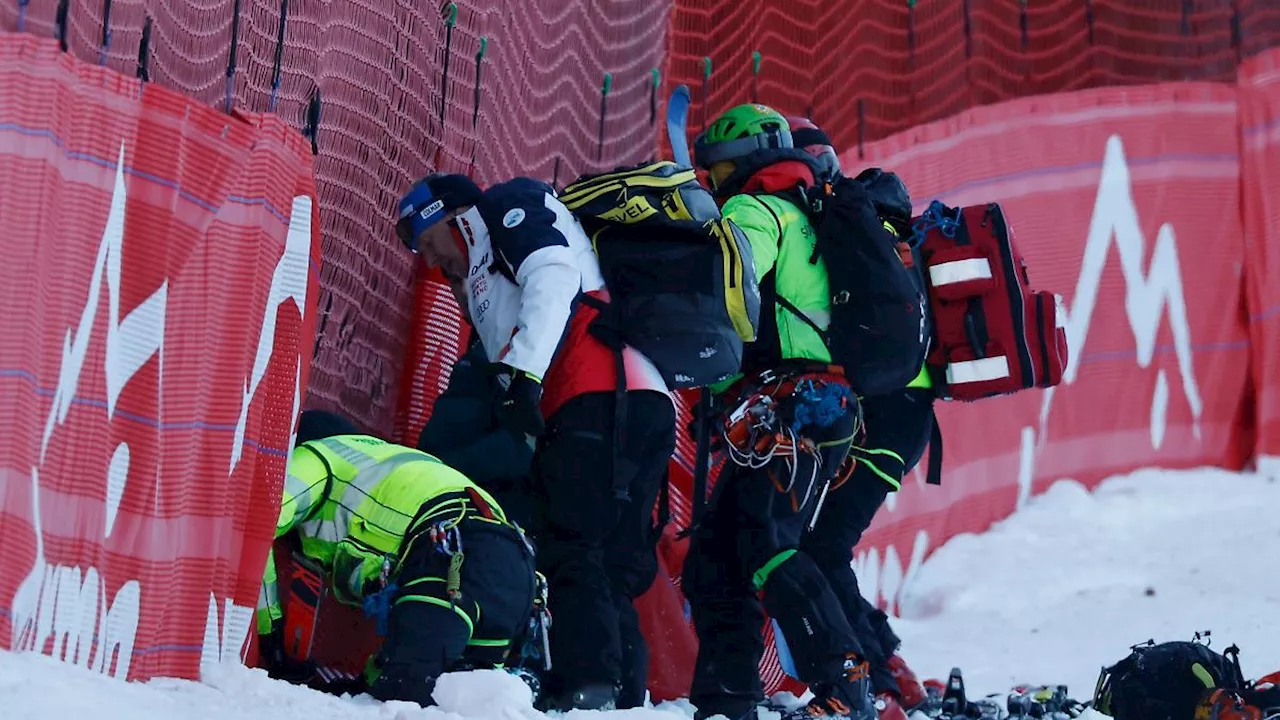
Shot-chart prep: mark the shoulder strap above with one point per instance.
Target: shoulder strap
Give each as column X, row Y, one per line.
column 934, row 474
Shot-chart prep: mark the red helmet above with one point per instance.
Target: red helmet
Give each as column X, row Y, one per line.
column 810, row 138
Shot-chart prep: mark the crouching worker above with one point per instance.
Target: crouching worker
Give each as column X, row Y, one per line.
column 421, row 548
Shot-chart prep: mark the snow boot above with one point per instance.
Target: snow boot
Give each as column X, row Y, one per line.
column 848, row 698
column 911, row 693
column 888, row 707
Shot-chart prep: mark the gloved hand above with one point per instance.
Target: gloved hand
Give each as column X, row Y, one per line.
column 520, row 409
column 279, row 665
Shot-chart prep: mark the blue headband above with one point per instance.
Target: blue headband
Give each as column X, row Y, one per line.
column 420, row 209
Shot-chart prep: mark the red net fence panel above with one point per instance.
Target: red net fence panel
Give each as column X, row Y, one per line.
column 160, row 259
column 1260, row 171
column 865, row 69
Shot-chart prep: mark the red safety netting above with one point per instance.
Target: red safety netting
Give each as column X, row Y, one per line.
column 159, row 259
column 864, row 69
column 379, row 68
column 1260, row 172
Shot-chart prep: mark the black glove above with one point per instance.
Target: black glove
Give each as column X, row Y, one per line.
column 278, row 664
column 519, row 409
column 888, row 194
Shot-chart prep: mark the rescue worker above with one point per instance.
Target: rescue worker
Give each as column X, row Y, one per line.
column 898, row 428
column 790, row 421
column 426, row 552
column 528, row 279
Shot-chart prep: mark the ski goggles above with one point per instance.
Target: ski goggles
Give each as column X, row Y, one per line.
column 419, row 210
column 705, row 155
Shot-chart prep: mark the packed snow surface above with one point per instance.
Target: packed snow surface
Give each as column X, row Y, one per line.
column 1047, row 596
column 1071, row 581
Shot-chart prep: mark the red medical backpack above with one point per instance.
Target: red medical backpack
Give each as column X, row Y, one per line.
column 993, row 334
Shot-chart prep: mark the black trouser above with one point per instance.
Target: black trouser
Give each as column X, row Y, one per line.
column 748, row 542
column 598, row 551
column 900, row 423
column 427, row 635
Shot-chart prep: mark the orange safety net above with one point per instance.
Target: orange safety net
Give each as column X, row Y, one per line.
column 865, row 69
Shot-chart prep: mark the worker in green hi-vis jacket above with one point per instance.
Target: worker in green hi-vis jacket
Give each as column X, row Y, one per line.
column 426, row 552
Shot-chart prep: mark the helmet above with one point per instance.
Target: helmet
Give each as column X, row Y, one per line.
column 740, row 131
column 810, row 138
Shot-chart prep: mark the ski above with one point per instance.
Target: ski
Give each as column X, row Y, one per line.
column 678, row 124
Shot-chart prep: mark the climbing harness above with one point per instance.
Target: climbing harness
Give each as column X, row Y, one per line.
column 763, row 432
column 537, row 643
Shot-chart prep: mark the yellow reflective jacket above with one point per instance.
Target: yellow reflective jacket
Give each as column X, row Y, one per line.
column 352, row 499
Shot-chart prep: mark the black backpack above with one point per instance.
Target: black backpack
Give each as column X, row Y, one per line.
column 879, row 330
column 681, row 279
column 1165, row 681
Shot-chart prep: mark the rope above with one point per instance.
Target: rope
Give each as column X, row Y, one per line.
column 935, row 217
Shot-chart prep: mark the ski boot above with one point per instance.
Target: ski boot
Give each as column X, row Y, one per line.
column 846, row 699
column 888, row 707
column 911, row 694
column 950, row 702
column 1049, row 702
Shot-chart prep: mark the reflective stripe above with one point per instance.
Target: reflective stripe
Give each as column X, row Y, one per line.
column 821, row 318
column 369, row 471
column 471, row 628
column 268, row 610
column 299, row 491
column 992, row 368
column 476, row 642
column 958, row 271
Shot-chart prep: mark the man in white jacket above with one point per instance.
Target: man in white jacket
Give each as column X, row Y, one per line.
column 522, row 266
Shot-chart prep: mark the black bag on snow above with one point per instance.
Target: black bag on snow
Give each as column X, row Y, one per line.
column 681, row 278
column 879, row 330
column 1165, row 681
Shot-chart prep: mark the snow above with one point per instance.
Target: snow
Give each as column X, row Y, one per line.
column 1065, row 586
column 1049, row 595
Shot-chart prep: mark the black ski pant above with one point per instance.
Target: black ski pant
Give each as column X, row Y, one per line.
column 898, row 428
column 745, row 560
column 428, row 634
column 597, row 535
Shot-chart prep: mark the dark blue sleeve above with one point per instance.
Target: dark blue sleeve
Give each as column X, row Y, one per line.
column 519, row 221
column 464, row 433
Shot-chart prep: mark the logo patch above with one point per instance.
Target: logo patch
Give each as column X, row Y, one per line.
column 514, row 217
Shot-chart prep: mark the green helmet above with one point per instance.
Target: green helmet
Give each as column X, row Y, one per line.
column 739, row 132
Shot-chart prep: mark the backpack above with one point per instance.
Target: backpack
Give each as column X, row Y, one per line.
column 1166, row 681
column 993, row 334
column 681, row 278
column 879, row 331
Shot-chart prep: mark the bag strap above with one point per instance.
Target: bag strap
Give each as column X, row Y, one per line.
column 934, row 474
column 605, row 328
column 702, row 457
